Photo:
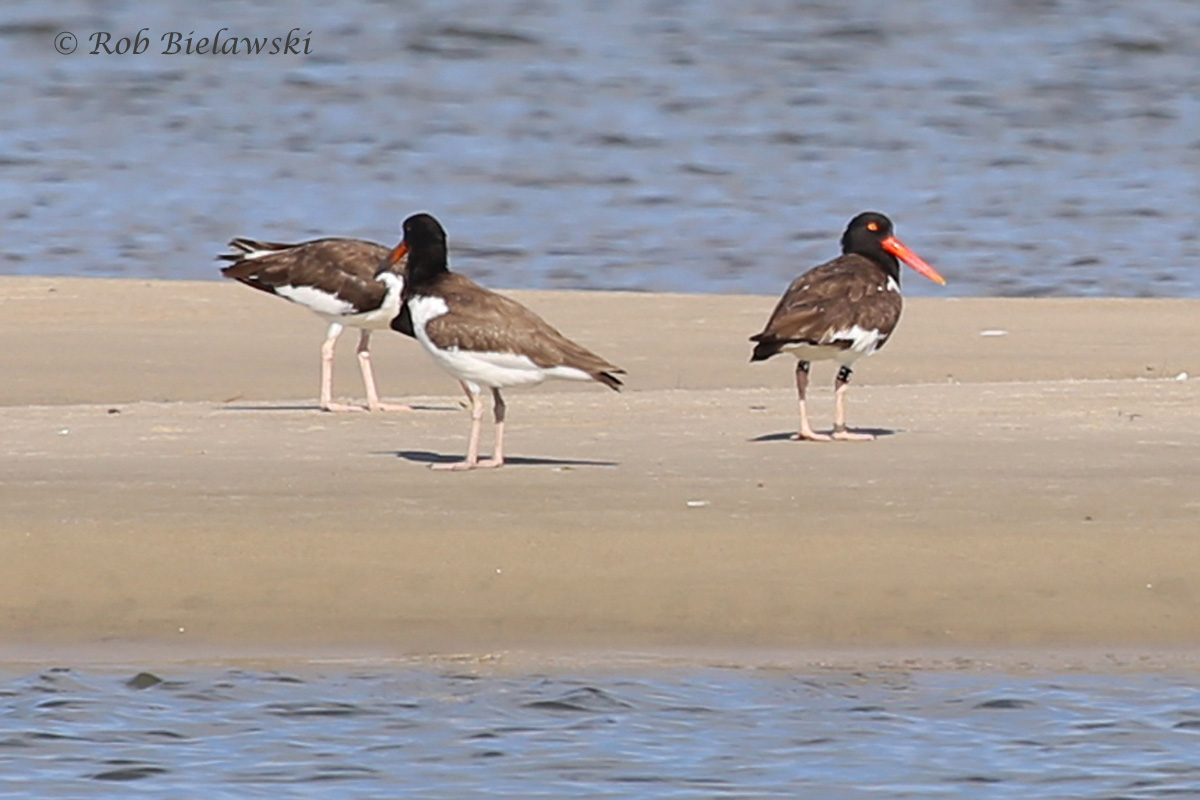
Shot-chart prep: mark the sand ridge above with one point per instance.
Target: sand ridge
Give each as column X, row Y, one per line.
column 165, row 480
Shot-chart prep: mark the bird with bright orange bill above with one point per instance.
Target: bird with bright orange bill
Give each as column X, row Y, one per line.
column 841, row 311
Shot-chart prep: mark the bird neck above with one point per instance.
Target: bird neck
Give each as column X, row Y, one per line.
column 878, row 256
column 427, row 263
column 890, row 264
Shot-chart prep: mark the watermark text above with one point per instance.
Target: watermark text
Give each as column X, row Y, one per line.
column 221, row 43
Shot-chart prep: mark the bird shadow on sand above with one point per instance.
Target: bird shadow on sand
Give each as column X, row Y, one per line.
column 315, row 408
column 790, row 436
column 427, row 457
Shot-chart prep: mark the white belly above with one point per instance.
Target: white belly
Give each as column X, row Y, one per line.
column 861, row 341
column 333, row 309
column 320, row 303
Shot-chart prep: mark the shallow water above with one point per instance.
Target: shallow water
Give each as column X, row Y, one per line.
column 691, row 732
column 1025, row 147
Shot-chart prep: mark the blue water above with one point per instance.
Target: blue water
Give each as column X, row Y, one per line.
column 1024, row 147
column 677, row 733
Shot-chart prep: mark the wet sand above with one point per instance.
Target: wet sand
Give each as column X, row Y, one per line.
column 167, row 484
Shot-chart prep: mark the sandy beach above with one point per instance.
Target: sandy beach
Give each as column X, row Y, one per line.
column 166, row 483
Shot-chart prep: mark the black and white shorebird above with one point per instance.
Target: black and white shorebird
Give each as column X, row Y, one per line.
column 482, row 338
column 841, row 311
column 346, row 282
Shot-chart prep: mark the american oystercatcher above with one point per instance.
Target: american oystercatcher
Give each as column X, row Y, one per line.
column 343, row 281
column 481, row 338
column 842, row 310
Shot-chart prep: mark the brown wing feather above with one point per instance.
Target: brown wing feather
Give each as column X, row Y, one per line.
column 486, row 321
column 846, row 292
column 836, row 296
column 345, row 267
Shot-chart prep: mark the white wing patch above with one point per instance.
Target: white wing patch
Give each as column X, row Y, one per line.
column 862, row 340
column 250, row 255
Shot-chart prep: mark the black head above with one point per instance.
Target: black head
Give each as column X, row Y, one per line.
column 872, row 236
column 425, row 244
column 865, row 236
column 422, row 229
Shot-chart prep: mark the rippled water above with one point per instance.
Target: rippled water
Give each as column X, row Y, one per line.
column 424, row 732
column 1025, row 147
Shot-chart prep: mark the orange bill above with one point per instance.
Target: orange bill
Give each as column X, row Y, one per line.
column 401, row 250
column 901, row 251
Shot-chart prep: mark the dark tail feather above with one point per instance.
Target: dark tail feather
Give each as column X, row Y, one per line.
column 764, row 350
column 609, row 378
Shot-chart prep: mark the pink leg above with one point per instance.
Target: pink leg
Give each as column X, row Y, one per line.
column 840, row 431
column 472, row 459
column 368, row 376
column 331, row 337
column 806, row 431
column 498, row 409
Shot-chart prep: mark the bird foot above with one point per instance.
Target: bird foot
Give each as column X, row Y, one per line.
column 339, row 407
column 390, row 407
column 810, row 435
column 462, row 466
column 846, row 435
